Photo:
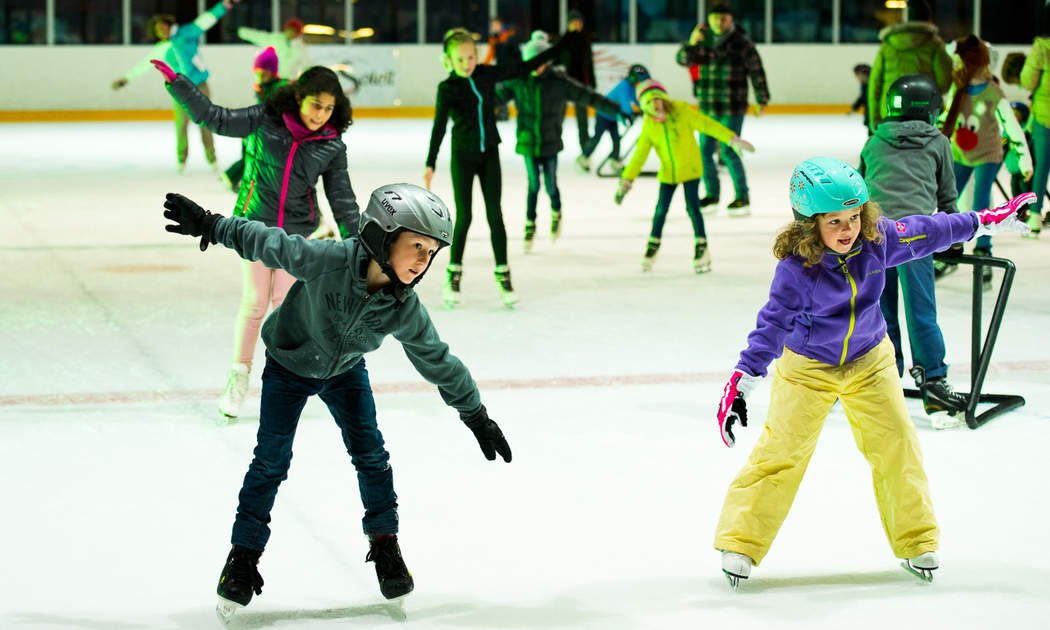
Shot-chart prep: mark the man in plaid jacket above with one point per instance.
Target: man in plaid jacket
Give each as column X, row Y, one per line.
column 721, row 57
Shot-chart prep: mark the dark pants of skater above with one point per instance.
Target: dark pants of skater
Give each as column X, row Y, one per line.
column 236, row 170
column 920, row 313
column 349, row 398
column 463, row 167
column 582, row 125
column 691, row 189
column 549, row 166
column 984, row 179
column 602, row 125
column 709, row 145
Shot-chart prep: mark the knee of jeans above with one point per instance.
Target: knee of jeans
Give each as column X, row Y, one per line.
column 273, row 466
column 372, row 460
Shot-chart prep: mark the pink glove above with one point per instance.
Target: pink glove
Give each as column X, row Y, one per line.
column 732, row 408
column 1004, row 217
column 165, row 69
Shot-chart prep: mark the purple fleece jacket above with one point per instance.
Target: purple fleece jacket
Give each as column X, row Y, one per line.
column 830, row 312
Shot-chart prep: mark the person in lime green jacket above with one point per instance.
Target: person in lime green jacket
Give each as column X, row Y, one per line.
column 669, row 128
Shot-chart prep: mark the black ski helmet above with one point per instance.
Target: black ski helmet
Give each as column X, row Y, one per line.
column 637, row 73
column 395, row 208
column 914, row 97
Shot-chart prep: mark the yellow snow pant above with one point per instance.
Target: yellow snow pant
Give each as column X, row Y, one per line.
column 803, row 391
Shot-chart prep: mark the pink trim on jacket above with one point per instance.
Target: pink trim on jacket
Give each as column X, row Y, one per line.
column 300, row 133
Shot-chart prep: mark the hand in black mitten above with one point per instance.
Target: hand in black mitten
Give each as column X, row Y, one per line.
column 489, row 436
column 189, row 218
column 950, row 255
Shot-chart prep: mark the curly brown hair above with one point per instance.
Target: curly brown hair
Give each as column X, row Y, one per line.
column 802, row 237
column 315, row 80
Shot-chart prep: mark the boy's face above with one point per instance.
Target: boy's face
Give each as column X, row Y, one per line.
column 464, row 58
column 162, row 31
column 839, row 230
column 410, row 254
column 720, row 22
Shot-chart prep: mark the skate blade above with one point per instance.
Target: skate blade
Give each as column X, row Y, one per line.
column 225, row 609
column 702, row 269
column 926, row 575
column 734, row 580
column 397, row 608
column 739, row 214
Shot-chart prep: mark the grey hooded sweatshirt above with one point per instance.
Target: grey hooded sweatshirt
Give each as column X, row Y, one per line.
column 328, row 321
column 908, row 168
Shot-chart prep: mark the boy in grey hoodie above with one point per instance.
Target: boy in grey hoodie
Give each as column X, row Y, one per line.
column 907, row 165
column 348, row 297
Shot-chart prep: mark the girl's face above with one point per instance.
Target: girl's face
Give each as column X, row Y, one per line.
column 464, row 58
column 839, row 230
column 659, row 112
column 263, row 76
column 315, row 110
column 410, row 254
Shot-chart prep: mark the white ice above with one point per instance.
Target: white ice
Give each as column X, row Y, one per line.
column 119, row 483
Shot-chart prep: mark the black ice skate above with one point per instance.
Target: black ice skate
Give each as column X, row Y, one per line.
column 506, row 289
column 701, row 256
column 740, row 207
column 651, row 248
column 451, row 289
column 530, row 235
column 937, row 394
column 555, row 225
column 240, row 579
column 709, row 204
column 394, row 579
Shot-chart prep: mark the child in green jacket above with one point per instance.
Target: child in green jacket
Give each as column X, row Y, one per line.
column 669, row 128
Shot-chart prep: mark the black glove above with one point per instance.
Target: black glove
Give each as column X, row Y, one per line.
column 189, row 218
column 489, row 436
column 950, row 255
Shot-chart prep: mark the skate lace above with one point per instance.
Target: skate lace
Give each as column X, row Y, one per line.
column 242, row 569
column 387, row 557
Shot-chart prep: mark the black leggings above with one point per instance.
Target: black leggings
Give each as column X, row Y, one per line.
column 464, row 166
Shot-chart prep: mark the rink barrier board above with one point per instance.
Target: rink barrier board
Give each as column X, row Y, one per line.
column 113, row 115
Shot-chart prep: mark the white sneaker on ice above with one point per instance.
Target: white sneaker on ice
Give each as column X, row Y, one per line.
column 736, row 566
column 235, row 392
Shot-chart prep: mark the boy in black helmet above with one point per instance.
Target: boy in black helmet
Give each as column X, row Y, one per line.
column 907, row 165
column 348, row 297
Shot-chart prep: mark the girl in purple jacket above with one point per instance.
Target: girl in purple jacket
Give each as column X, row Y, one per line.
column 824, row 323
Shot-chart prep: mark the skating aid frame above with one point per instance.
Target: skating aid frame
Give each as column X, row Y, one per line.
column 981, row 354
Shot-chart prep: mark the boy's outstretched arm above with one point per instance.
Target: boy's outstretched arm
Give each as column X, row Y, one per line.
column 189, row 219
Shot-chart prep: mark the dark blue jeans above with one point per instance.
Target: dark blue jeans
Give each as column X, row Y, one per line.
column 691, row 189
column 1041, row 140
column 349, row 398
column 604, row 125
column 549, row 166
column 920, row 313
column 709, row 145
column 982, row 190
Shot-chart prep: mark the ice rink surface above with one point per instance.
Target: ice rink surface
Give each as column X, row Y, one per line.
column 120, row 483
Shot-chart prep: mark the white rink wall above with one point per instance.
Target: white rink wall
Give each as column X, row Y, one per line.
column 78, row 77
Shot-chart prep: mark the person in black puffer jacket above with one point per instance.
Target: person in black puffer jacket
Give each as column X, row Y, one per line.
column 540, row 99
column 468, row 96
column 291, row 140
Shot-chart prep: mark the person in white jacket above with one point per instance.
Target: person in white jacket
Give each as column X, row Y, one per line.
column 291, row 51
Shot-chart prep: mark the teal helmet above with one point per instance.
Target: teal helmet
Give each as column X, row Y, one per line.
column 824, row 184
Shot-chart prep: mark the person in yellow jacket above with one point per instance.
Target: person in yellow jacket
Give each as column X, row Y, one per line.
column 669, row 128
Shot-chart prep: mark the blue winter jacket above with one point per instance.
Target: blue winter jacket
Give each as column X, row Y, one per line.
column 830, row 312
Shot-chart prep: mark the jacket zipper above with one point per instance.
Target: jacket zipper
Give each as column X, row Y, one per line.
column 852, row 309
column 247, row 200
column 670, row 153
column 481, row 117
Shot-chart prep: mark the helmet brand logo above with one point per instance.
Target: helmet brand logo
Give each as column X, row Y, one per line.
column 393, row 194
column 850, row 202
column 387, row 206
